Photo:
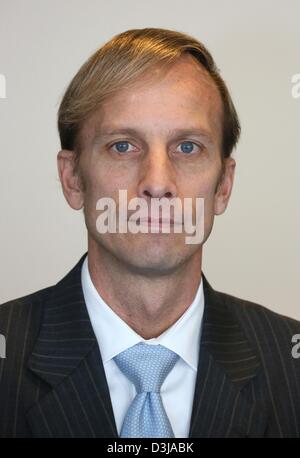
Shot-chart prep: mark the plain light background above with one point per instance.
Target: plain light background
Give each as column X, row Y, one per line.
column 253, row 251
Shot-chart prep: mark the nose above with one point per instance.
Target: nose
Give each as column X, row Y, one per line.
column 157, row 176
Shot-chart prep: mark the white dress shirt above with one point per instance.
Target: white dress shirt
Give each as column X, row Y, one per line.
column 114, row 336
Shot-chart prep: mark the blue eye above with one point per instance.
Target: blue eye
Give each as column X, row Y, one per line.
column 122, row 147
column 187, row 147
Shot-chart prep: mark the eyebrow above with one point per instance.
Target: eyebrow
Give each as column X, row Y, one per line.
column 199, row 132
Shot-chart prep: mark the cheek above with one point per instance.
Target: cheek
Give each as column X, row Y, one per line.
column 107, row 174
column 205, row 188
column 98, row 186
column 94, row 189
column 201, row 185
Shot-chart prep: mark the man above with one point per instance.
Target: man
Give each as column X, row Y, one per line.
column 134, row 342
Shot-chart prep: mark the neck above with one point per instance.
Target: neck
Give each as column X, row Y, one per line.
column 148, row 304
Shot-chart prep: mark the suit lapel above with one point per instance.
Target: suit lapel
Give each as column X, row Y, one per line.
column 67, row 357
column 224, row 403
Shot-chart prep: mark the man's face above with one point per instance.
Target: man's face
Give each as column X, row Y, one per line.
column 159, row 138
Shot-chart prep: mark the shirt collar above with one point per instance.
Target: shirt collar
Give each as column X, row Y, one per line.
column 183, row 337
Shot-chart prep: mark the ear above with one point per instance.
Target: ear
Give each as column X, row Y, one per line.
column 69, row 179
column 225, row 185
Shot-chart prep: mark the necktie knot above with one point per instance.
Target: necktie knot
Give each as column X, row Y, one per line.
column 146, row 366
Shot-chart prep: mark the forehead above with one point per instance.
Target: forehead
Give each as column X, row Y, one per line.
column 183, row 96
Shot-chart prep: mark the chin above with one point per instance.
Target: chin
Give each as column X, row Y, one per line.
column 155, row 259
column 149, row 254
column 152, row 267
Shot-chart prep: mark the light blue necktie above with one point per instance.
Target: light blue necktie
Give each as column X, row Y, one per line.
column 146, row 366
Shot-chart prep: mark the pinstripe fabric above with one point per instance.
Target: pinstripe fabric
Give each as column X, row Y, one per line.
column 52, row 383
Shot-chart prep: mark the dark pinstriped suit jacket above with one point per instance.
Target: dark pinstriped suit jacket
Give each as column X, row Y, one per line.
column 52, row 382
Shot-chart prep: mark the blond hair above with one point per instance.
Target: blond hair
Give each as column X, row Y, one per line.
column 122, row 61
